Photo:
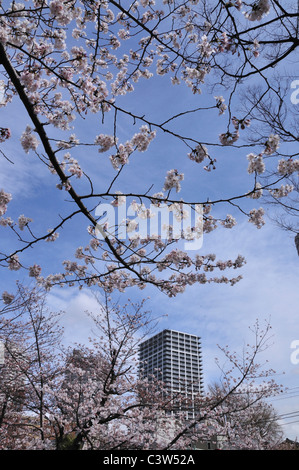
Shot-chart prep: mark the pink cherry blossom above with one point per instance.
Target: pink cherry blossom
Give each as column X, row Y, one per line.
column 259, row 10
column 5, row 198
column 28, row 140
column 7, row 298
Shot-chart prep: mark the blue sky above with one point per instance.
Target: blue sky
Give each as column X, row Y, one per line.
column 219, row 314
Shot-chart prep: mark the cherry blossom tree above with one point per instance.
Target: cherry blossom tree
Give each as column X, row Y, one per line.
column 93, row 397
column 66, row 64
column 30, row 336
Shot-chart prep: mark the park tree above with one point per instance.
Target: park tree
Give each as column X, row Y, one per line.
column 246, row 420
column 93, row 396
column 73, row 68
column 31, row 338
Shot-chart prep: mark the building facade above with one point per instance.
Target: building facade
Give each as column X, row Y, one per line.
column 175, row 358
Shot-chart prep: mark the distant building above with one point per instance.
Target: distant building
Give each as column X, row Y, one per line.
column 175, row 358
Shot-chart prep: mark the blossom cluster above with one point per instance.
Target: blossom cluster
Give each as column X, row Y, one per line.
column 259, row 10
column 229, row 221
column 35, row 271
column 5, row 198
column 240, row 123
column 172, row 180
column 105, row 142
column 257, row 192
column 23, row 221
column 119, row 200
column 72, row 165
column 14, row 263
column 52, row 236
column 122, row 156
column 287, row 167
column 272, row 144
column 140, row 141
column 220, row 104
column 228, row 138
column 7, row 298
column 199, row 153
column 256, row 163
column 283, row 191
column 225, row 43
column 256, row 217
column 28, row 140
column 4, row 134
column 63, row 13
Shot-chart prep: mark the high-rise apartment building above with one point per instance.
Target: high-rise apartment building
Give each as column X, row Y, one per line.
column 175, row 358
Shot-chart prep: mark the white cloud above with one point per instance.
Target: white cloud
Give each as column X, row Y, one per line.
column 78, row 326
